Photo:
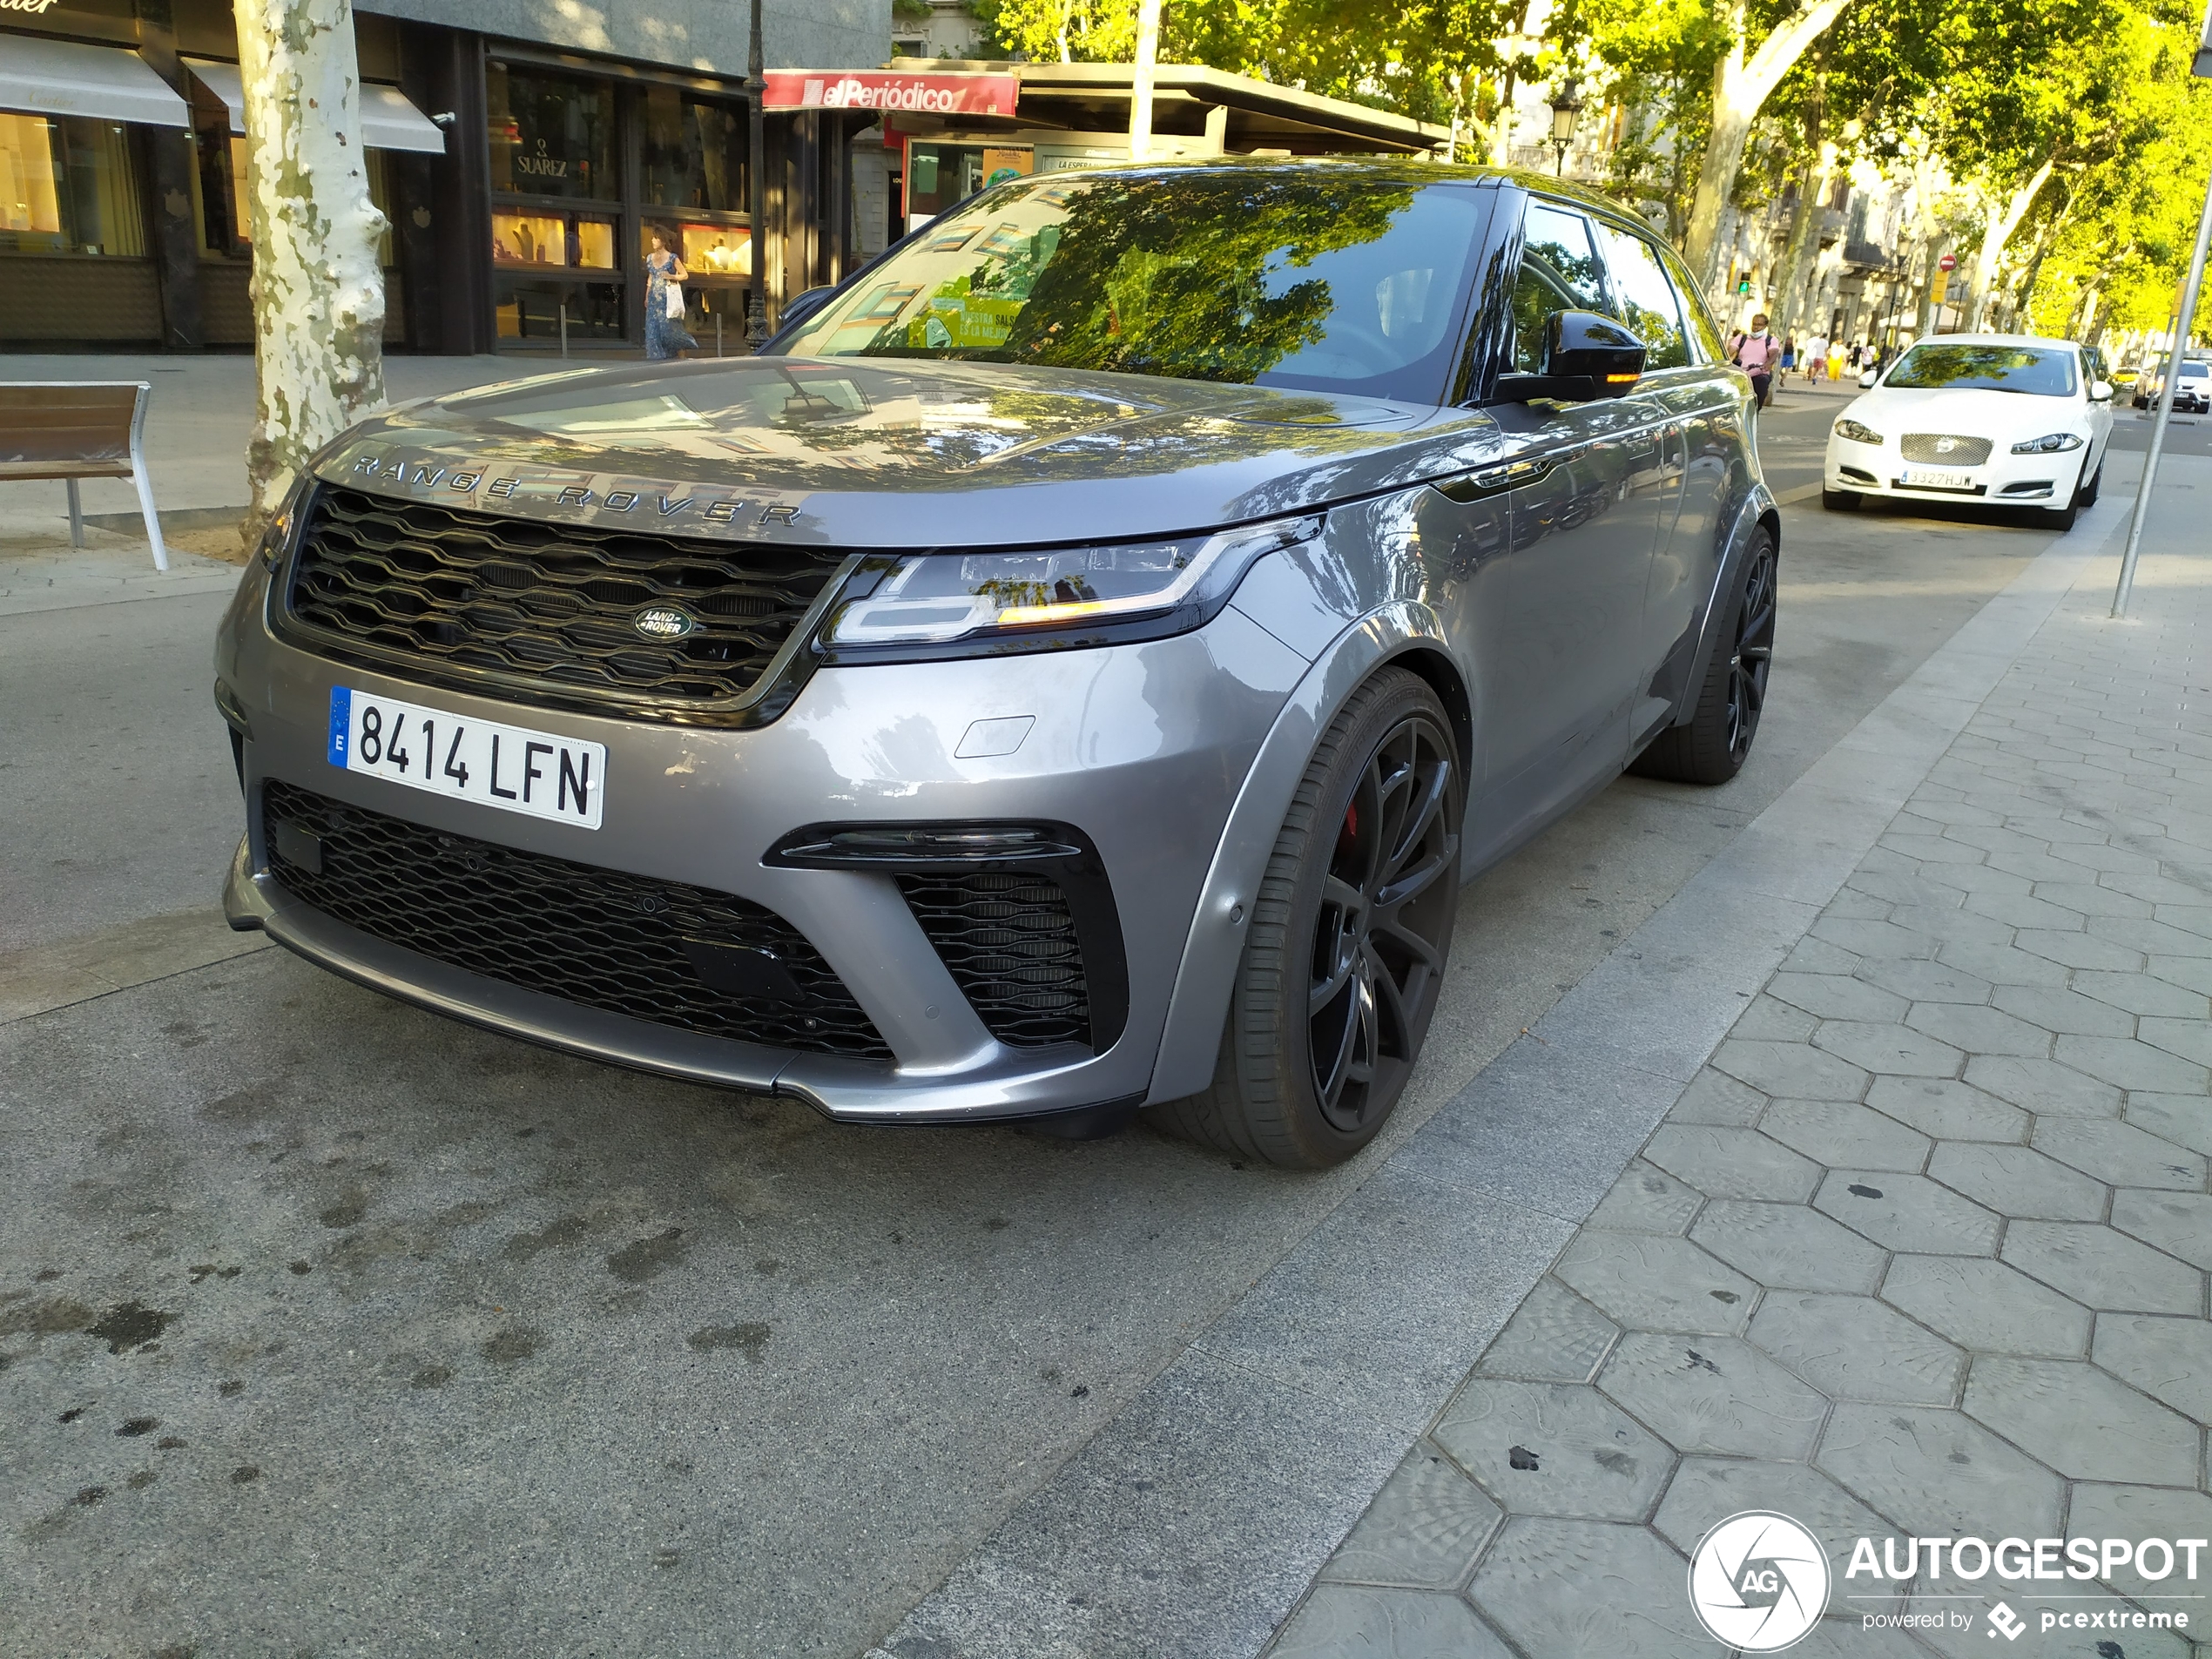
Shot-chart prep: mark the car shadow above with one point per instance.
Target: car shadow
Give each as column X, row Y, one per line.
column 2029, row 518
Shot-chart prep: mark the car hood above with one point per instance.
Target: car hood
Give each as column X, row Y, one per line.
column 900, row 453
column 2008, row 415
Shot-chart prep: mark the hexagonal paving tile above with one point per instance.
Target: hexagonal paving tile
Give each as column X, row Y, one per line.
column 2022, row 911
column 2102, row 1269
column 1872, row 939
column 1789, row 1246
column 1651, row 1283
column 2141, row 994
column 2018, row 1180
column 2001, row 964
column 2120, row 1154
column 1562, row 1588
column 1715, row 1097
column 1706, row 1491
column 2190, row 1039
column 1908, row 1212
column 1979, row 1030
column 2082, row 1422
column 2191, row 972
column 1853, row 1347
column 1948, row 1109
column 1918, row 981
column 1553, row 1335
column 1837, row 1132
column 1725, row 1163
column 1340, row 1619
column 2149, row 936
column 2056, row 1010
column 2099, row 1510
column 1795, row 1070
column 1939, row 1475
column 1986, row 1306
column 2169, row 1360
column 2184, row 1120
column 1424, row 1528
column 1836, row 996
column 2043, row 1086
column 1554, row 1449
column 2073, row 949
column 2129, row 1064
column 1774, row 1020
column 1647, row 1200
column 1713, row 1394
column 1889, row 1050
column 1811, row 955
column 2178, row 1222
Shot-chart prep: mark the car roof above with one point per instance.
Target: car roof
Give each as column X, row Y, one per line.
column 2043, row 342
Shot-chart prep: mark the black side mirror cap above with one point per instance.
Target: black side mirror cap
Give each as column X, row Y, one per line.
column 1584, row 343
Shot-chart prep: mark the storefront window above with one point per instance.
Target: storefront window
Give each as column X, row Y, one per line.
column 695, row 152
column 706, row 250
column 67, row 185
column 531, row 311
column 941, row 176
column 566, row 240
column 552, row 135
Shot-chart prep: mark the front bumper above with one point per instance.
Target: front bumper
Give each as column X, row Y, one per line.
column 2047, row 479
column 1142, row 746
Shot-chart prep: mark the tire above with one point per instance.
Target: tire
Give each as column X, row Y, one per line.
column 1330, row 1007
column 2061, row 518
column 2088, row 498
column 1711, row 747
column 1840, row 500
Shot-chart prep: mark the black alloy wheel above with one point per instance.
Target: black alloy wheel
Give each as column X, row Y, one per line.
column 1344, row 958
column 1754, row 654
column 1380, row 932
column 1714, row 740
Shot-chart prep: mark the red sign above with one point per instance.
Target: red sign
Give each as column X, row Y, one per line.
column 886, row 89
column 1948, row 262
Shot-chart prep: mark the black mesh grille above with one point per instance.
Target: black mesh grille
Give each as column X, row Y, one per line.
column 1010, row 943
column 597, row 937
column 1944, row 450
column 551, row 603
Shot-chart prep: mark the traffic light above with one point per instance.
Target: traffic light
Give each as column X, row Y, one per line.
column 1744, row 284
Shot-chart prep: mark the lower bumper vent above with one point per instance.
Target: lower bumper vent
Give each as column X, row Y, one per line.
column 1009, row 939
column 677, row 955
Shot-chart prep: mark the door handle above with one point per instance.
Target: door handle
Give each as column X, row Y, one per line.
column 1495, row 480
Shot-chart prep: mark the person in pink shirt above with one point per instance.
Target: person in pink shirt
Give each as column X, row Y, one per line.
column 1755, row 353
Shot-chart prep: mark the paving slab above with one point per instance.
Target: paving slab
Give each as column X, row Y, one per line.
column 1789, row 1246
column 1938, row 1473
column 1554, row 1449
column 1852, row 1347
column 2085, row 1424
column 2101, row 1268
column 1424, row 1528
column 1716, row 1394
column 1910, row 1212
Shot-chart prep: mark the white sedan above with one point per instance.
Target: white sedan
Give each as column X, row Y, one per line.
column 1993, row 420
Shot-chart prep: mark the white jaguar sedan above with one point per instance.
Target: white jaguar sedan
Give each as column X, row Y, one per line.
column 1989, row 420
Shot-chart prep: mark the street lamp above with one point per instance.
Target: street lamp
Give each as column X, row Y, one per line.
column 756, row 87
column 1565, row 108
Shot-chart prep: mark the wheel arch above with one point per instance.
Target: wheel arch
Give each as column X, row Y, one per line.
column 1406, row 635
column 1758, row 512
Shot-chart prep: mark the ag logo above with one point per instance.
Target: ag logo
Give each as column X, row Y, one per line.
column 1758, row 1581
column 664, row 622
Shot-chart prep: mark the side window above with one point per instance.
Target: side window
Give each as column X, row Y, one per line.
column 1648, row 301
column 1704, row 333
column 1560, row 271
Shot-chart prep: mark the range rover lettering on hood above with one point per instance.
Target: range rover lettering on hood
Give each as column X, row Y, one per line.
column 901, row 454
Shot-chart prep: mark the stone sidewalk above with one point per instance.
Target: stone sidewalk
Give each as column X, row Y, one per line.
column 1921, row 1250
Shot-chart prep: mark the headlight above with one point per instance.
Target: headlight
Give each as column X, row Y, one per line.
column 994, row 601
column 276, row 535
column 2050, row 443
column 1856, row 433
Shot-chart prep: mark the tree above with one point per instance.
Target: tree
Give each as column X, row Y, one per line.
column 318, row 288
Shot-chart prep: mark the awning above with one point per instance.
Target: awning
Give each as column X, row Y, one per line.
column 41, row 76
column 389, row 121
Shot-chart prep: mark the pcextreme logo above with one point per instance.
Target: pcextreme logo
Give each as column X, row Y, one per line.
column 1758, row 1581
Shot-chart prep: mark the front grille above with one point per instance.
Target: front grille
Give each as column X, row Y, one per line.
column 546, row 607
column 1927, row 449
column 1009, row 939
column 597, row 937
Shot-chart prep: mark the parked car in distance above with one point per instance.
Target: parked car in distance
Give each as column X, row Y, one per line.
column 2192, row 388
column 1072, row 671
column 1993, row 420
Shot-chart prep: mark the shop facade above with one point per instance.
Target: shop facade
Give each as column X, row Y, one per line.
column 524, row 175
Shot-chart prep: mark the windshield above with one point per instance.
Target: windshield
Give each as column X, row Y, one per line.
column 1988, row 368
column 2196, row 371
column 1299, row 277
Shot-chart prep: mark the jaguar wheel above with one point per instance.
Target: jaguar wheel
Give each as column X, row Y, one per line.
column 1711, row 747
column 1350, row 933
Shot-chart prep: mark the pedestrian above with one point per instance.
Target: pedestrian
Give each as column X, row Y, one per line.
column 1852, row 361
column 1789, row 358
column 1755, row 354
column 666, row 334
column 1817, row 359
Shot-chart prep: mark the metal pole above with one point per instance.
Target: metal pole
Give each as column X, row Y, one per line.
column 718, row 334
column 2189, row 290
column 564, row 331
column 756, row 88
column 1140, row 86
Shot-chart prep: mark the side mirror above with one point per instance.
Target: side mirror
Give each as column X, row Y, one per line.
column 1866, row 380
column 2101, row 391
column 800, row 306
column 1583, row 342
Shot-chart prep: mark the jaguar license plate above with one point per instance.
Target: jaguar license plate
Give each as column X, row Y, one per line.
column 1928, row 478
column 508, row 767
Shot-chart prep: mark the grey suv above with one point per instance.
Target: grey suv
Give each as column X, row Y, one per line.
column 1073, row 669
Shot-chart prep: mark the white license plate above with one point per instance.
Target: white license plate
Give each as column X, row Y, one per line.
column 510, row 767
column 1927, row 479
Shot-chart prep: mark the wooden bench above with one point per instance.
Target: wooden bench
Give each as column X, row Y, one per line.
column 73, row 430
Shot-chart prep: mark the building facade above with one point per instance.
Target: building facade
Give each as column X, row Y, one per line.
column 523, row 154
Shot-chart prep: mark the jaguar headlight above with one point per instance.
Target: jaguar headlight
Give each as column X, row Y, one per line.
column 1857, row 433
column 994, row 598
column 2049, row 443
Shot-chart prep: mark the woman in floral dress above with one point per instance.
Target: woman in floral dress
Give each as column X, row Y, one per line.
column 664, row 335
